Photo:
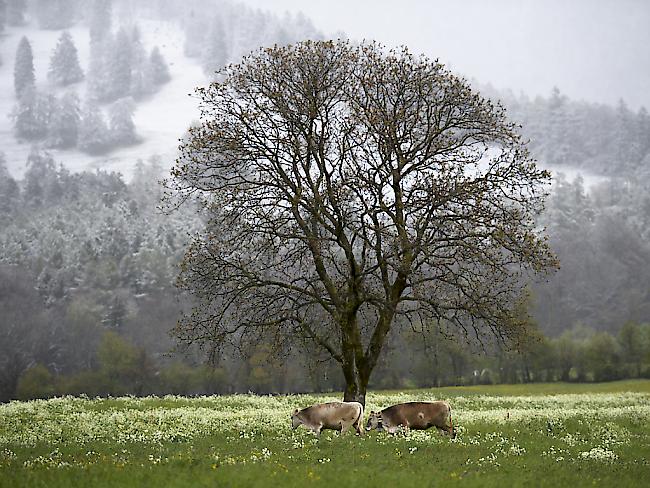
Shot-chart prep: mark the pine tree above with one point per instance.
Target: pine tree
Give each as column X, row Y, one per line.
column 140, row 83
column 119, row 66
column 195, row 33
column 121, row 126
column 64, row 63
column 9, row 191
column 39, row 178
column 23, row 67
column 158, row 69
column 216, row 53
column 282, row 36
column 643, row 131
column 100, row 20
column 115, row 313
column 623, row 131
column 32, row 114
column 258, row 29
column 93, row 131
column 97, row 82
column 63, row 130
column 16, row 12
column 305, row 29
column 240, row 34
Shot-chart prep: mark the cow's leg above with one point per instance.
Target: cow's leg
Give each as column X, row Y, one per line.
column 345, row 426
column 450, row 423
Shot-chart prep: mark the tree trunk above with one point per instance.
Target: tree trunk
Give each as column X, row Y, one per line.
column 355, row 386
column 356, row 365
column 356, row 369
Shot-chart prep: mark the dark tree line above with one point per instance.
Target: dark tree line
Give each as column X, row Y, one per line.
column 88, row 265
column 95, row 255
column 598, row 229
column 602, row 237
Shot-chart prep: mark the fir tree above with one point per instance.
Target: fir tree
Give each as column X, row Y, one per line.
column 158, row 69
column 623, row 131
column 100, row 20
column 32, row 114
column 216, row 53
column 16, row 12
column 118, row 67
column 97, row 83
column 63, row 130
column 40, row 177
column 93, row 131
column 196, row 29
column 23, row 67
column 140, row 83
column 64, row 63
column 115, row 313
column 121, row 126
column 9, row 191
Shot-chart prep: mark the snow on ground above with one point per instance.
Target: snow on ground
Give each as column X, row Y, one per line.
column 161, row 120
column 569, row 173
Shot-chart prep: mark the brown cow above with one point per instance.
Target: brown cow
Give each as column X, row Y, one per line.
column 335, row 415
column 413, row 415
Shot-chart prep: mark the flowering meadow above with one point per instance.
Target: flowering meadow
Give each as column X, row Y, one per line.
column 504, row 438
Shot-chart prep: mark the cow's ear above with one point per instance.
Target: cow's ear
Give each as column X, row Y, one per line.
column 295, row 411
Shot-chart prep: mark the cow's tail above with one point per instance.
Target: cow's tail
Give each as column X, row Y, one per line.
column 359, row 420
column 451, row 424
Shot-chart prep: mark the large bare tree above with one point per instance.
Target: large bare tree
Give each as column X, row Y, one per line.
column 348, row 190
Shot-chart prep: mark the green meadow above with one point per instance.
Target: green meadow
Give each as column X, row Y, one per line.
column 508, row 435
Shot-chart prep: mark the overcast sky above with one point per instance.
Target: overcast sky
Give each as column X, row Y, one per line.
column 598, row 50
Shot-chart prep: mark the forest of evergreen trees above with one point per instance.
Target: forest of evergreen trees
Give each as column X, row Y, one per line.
column 119, row 73
column 88, row 262
column 598, row 139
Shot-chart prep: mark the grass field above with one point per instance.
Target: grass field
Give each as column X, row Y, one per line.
column 508, row 435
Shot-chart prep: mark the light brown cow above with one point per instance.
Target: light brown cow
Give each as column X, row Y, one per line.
column 335, row 415
column 413, row 415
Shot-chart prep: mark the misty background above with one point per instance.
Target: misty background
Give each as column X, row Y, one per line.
column 94, row 97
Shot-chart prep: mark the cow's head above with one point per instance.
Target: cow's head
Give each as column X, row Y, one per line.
column 295, row 420
column 374, row 421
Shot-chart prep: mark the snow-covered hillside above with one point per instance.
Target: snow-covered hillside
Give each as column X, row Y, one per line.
column 160, row 119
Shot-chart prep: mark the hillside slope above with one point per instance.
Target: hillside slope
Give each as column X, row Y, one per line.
column 160, row 119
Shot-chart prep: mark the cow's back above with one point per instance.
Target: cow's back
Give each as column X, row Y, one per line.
column 332, row 414
column 417, row 415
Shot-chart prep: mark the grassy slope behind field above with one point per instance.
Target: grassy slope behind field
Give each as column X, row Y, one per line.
column 554, row 435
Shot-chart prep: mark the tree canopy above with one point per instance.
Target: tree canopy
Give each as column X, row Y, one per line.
column 350, row 189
